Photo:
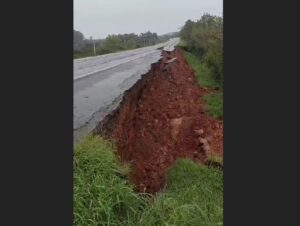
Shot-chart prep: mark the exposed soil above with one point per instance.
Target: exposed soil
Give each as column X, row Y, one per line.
column 160, row 119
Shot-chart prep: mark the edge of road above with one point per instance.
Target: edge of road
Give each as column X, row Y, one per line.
column 167, row 47
column 111, row 66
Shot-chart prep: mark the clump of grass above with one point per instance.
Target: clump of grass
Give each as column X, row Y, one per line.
column 194, row 196
column 214, row 104
column 202, row 72
column 101, row 197
column 215, row 158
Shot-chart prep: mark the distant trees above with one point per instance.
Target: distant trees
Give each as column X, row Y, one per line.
column 113, row 43
column 120, row 42
column 166, row 37
column 148, row 38
column 205, row 39
column 129, row 41
column 77, row 40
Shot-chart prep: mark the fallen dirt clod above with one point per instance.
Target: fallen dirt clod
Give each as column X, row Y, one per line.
column 160, row 119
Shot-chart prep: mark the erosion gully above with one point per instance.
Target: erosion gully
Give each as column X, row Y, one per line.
column 162, row 118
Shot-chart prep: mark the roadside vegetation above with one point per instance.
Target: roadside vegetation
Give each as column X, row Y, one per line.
column 214, row 104
column 114, row 43
column 202, row 71
column 103, row 196
column 202, row 42
column 193, row 195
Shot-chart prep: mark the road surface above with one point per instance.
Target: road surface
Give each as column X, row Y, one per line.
column 100, row 81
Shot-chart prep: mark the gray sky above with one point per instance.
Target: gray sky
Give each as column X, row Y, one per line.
column 98, row 18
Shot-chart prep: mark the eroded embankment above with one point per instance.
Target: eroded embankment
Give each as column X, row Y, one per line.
column 160, row 119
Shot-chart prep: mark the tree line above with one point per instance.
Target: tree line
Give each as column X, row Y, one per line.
column 204, row 38
column 113, row 43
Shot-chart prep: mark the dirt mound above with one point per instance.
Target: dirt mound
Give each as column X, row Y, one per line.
column 160, row 119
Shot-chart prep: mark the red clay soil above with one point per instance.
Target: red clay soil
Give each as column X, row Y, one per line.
column 160, row 119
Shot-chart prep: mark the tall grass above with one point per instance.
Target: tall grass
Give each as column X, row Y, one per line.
column 213, row 101
column 103, row 195
column 202, row 72
column 194, row 196
column 214, row 104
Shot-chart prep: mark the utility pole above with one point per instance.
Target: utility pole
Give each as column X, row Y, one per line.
column 94, row 48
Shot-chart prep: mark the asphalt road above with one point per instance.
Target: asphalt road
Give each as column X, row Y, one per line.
column 100, row 81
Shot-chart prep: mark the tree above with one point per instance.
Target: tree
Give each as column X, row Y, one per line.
column 148, row 38
column 214, row 59
column 77, row 40
column 205, row 39
column 113, row 43
column 186, row 31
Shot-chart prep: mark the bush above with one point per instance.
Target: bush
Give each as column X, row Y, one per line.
column 214, row 60
column 204, row 38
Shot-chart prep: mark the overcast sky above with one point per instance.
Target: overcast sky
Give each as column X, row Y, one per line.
column 98, row 18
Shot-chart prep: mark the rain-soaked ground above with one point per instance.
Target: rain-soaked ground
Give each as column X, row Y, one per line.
column 99, row 83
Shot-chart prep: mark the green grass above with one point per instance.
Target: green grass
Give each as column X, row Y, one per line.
column 103, row 195
column 203, row 74
column 214, row 104
column 194, row 196
column 213, row 101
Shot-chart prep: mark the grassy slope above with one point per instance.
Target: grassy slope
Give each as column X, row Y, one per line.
column 214, row 104
column 194, row 196
column 213, row 101
column 103, row 196
column 202, row 73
